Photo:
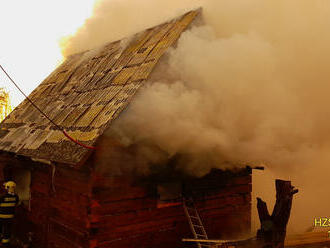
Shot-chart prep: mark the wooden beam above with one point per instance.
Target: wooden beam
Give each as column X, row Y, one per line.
column 218, row 241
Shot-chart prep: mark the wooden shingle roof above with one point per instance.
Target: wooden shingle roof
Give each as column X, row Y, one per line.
column 85, row 94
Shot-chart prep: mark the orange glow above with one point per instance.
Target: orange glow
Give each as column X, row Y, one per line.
column 168, row 204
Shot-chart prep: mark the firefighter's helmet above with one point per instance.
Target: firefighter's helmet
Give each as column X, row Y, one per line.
column 10, row 186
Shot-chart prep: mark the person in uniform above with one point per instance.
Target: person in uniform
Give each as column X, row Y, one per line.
column 8, row 203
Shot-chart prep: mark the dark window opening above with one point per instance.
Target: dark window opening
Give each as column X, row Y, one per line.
column 169, row 194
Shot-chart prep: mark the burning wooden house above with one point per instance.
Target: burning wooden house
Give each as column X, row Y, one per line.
column 67, row 200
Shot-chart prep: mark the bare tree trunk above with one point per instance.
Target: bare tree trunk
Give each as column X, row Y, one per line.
column 273, row 227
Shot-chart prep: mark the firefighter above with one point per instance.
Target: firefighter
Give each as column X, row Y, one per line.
column 8, row 202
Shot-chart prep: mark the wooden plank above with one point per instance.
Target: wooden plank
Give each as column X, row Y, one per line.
column 224, row 210
column 61, row 116
column 75, row 186
column 74, row 116
column 67, row 195
column 38, row 218
column 105, row 115
column 143, row 72
column 218, row 241
column 40, row 188
column 70, row 173
column 40, row 139
column 72, row 234
column 89, row 116
column 73, row 180
column 137, row 229
column 220, row 202
column 219, row 181
column 164, row 28
column 222, row 192
column 227, row 225
column 119, row 193
column 123, row 206
column 40, row 235
column 123, row 76
column 59, row 241
column 106, row 64
column 134, row 217
column 69, row 219
column 140, row 55
column 74, row 210
column 100, row 180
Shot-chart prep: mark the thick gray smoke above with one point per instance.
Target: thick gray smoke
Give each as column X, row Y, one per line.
column 250, row 86
column 116, row 19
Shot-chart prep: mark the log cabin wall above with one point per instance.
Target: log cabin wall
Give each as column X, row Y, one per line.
column 225, row 208
column 125, row 213
column 38, row 214
column 57, row 215
column 69, row 204
column 89, row 208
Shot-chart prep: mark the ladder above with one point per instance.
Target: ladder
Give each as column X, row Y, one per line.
column 195, row 222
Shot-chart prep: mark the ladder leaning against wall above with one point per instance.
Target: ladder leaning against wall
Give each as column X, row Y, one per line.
column 195, row 222
column 198, row 230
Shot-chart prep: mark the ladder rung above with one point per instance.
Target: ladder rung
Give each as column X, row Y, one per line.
column 195, row 223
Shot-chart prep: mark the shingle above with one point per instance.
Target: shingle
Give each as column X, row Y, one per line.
column 143, row 71
column 74, row 116
column 85, row 94
column 123, row 76
column 89, row 116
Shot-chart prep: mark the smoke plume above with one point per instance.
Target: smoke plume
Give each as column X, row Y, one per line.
column 249, row 86
column 116, row 19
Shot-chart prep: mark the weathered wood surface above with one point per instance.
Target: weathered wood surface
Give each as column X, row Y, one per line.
column 85, row 94
column 125, row 214
column 69, row 203
column 59, row 203
column 66, row 216
column 77, row 208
